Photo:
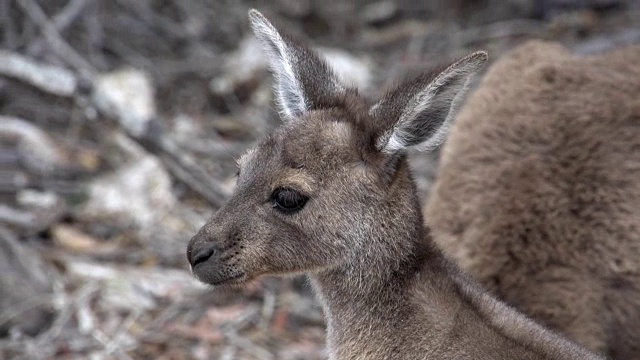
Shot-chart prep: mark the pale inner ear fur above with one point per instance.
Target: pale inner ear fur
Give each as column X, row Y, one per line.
column 425, row 119
column 303, row 80
column 289, row 93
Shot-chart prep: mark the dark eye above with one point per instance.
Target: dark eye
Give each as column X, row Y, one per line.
column 288, row 200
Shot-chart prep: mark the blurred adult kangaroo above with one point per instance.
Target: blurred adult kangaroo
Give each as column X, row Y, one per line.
column 330, row 194
column 538, row 191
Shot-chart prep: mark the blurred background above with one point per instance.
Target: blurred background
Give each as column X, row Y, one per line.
column 119, row 124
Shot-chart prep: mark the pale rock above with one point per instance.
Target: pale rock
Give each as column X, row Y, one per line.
column 140, row 190
column 351, row 70
column 127, row 95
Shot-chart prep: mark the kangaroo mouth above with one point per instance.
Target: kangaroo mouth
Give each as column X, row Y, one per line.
column 235, row 279
column 218, row 275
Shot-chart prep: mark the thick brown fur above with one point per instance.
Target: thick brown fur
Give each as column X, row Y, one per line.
column 387, row 291
column 538, row 192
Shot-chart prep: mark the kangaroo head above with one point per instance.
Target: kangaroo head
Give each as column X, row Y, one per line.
column 320, row 191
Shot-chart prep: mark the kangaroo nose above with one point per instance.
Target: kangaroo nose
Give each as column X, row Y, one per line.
column 201, row 254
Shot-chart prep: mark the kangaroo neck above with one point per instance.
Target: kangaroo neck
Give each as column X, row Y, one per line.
column 375, row 303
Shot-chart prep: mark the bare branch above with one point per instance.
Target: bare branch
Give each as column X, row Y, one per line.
column 48, row 78
column 62, row 20
column 14, row 217
column 69, row 13
column 50, row 32
column 187, row 170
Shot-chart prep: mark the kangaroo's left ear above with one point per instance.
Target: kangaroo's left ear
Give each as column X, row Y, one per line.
column 421, row 110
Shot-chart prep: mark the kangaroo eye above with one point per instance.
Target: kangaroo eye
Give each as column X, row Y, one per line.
column 288, row 200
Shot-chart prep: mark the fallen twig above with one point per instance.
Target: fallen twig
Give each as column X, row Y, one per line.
column 52, row 79
column 65, row 314
column 17, row 218
column 115, row 345
column 268, row 309
column 185, row 169
column 61, row 20
column 57, row 42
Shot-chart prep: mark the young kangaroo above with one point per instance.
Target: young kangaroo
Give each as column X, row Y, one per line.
column 330, row 194
column 538, row 192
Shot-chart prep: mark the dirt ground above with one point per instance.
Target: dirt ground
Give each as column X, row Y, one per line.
column 120, row 123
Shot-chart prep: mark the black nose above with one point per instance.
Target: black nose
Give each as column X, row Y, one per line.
column 201, row 254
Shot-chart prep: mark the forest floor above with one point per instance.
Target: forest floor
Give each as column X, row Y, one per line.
column 120, row 123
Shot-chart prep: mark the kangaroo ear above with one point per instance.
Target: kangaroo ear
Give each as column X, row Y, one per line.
column 419, row 113
column 303, row 81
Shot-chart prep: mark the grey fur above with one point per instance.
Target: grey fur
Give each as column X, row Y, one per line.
column 387, row 291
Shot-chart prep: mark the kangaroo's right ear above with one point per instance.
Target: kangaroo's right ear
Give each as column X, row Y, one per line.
column 422, row 110
column 303, row 80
